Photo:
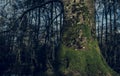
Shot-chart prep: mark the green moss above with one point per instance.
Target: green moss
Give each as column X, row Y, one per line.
column 87, row 61
column 86, row 30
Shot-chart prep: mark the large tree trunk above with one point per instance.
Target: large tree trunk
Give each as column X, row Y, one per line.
column 81, row 53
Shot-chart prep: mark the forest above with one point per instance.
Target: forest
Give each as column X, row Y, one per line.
column 59, row 38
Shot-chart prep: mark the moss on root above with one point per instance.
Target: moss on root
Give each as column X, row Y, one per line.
column 86, row 61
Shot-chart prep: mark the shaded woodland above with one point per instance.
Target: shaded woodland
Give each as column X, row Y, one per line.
column 59, row 37
column 108, row 31
column 30, row 39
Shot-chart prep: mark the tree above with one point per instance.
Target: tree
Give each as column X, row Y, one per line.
column 80, row 46
column 33, row 36
column 109, row 25
column 34, row 41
